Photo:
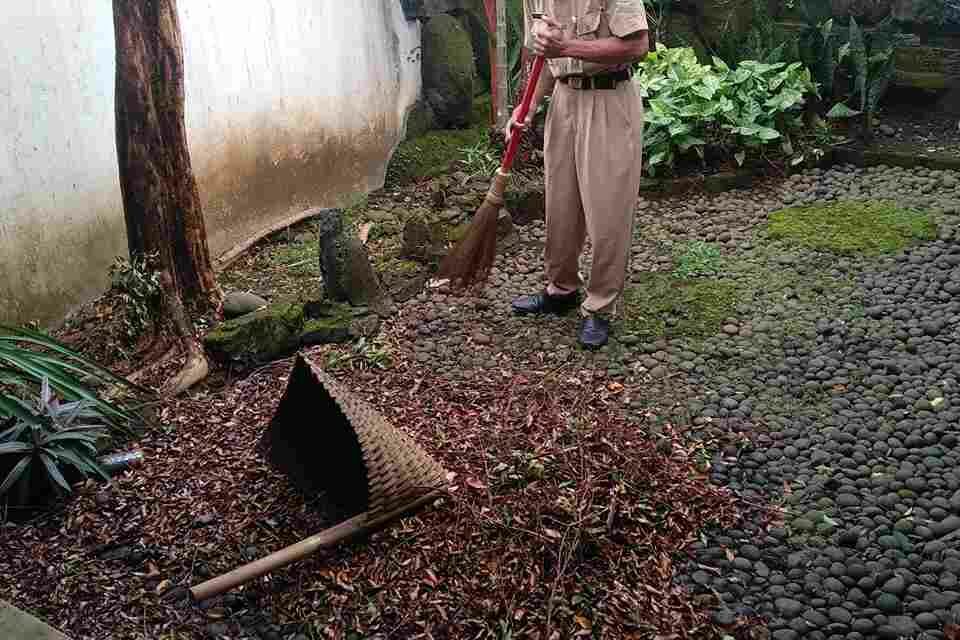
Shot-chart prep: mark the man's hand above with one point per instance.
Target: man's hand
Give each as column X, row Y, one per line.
column 549, row 38
column 518, row 127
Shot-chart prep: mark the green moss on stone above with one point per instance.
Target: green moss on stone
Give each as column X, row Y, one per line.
column 433, row 153
column 258, row 337
column 330, row 322
column 661, row 305
column 401, row 267
column 850, row 227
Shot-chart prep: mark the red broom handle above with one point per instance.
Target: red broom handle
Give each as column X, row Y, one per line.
column 522, row 115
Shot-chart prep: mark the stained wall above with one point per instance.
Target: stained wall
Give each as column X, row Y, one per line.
column 290, row 104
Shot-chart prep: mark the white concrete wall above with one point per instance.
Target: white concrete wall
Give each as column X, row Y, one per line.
column 291, row 104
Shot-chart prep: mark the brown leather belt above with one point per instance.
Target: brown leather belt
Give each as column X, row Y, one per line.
column 599, row 81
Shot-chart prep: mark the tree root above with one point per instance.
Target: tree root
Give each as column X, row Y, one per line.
column 196, row 367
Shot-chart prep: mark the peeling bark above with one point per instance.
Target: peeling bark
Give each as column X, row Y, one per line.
column 161, row 200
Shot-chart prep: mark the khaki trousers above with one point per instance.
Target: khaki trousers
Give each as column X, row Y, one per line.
column 593, row 162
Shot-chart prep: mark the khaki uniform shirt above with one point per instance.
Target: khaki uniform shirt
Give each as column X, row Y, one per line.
column 589, row 20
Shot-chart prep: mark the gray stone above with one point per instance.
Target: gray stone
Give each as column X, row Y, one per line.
column 418, row 241
column 903, row 625
column 448, row 71
column 348, row 275
column 840, row 615
column 239, row 303
column 789, row 607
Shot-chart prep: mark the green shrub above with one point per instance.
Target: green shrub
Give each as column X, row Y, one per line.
column 747, row 111
column 137, row 284
column 872, row 69
column 761, row 38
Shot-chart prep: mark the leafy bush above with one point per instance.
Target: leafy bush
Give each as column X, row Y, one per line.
column 28, row 357
column 138, row 286
column 761, row 38
column 872, row 68
column 692, row 107
column 58, row 437
column 820, row 45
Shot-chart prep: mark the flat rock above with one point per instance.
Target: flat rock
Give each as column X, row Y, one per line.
column 239, row 303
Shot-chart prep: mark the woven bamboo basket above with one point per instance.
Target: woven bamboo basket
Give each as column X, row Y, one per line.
column 337, row 448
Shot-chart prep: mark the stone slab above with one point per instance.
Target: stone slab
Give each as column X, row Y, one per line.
column 19, row 625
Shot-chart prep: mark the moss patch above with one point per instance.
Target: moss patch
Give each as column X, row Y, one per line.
column 327, row 322
column 664, row 306
column 432, row 154
column 258, row 337
column 297, row 258
column 852, row 227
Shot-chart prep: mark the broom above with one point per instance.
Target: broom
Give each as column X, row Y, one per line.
column 471, row 259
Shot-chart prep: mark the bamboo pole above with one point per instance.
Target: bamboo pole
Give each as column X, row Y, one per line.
column 347, row 530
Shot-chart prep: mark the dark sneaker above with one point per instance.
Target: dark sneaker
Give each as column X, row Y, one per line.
column 545, row 303
column 594, row 332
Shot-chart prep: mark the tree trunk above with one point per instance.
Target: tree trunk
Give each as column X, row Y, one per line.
column 161, row 201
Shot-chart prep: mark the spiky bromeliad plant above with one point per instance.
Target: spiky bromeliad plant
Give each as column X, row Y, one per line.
column 53, row 441
column 27, row 357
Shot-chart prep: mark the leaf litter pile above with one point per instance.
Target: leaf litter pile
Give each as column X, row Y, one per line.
column 565, row 521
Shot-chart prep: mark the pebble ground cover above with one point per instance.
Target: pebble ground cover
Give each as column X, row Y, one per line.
column 817, row 362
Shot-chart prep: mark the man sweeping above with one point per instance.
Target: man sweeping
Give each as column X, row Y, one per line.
column 592, row 152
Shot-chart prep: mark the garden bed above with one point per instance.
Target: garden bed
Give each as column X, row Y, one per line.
column 633, row 492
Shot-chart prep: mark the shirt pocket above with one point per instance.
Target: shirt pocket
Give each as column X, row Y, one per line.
column 588, row 24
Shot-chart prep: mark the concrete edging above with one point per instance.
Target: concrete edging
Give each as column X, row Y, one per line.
column 20, row 625
column 744, row 179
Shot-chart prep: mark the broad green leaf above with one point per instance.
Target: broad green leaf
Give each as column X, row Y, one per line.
column 657, row 158
column 740, row 156
column 766, row 133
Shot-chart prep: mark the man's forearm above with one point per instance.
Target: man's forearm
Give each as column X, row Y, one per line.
column 609, row 50
column 544, row 88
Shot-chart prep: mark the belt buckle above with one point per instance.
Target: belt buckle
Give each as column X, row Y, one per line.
column 576, row 82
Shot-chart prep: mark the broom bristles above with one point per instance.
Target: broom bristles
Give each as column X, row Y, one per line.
column 472, row 258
